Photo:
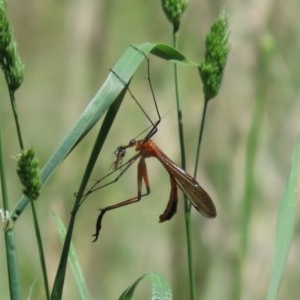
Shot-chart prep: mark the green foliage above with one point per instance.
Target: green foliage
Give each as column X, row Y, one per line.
column 160, row 287
column 286, row 224
column 29, row 174
column 173, row 10
column 73, row 259
column 10, row 60
column 237, row 217
column 217, row 48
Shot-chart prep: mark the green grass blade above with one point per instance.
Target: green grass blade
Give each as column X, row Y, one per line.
column 160, row 287
column 13, row 270
column 72, row 257
column 286, row 224
column 167, row 52
column 13, row 266
column 108, row 93
column 41, row 249
column 61, row 271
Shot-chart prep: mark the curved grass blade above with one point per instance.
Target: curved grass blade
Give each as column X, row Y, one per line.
column 13, row 268
column 160, row 287
column 61, row 270
column 82, row 288
column 169, row 53
column 286, row 224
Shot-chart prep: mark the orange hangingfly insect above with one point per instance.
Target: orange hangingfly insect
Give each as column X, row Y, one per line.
column 147, row 148
column 178, row 177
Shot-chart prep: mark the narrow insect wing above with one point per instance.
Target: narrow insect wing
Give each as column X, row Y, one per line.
column 189, row 186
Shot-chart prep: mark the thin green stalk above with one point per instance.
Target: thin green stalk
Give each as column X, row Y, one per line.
column 15, row 112
column 3, row 175
column 14, row 277
column 41, row 250
column 188, row 211
column 178, row 105
column 200, row 137
column 187, row 207
column 33, row 183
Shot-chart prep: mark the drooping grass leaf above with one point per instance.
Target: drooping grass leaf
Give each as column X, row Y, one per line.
column 105, row 127
column 286, row 224
column 160, row 288
column 83, row 291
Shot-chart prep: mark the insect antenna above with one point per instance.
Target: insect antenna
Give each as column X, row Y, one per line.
column 154, row 125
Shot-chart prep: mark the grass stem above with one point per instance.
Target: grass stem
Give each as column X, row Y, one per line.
column 187, row 207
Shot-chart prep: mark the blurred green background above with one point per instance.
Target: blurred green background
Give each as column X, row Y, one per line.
column 67, row 48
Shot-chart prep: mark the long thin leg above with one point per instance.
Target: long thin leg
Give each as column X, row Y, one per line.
column 154, row 128
column 132, row 96
column 154, row 124
column 141, row 175
column 172, row 203
column 123, row 169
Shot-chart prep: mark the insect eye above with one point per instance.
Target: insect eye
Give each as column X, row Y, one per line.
column 132, row 142
column 122, row 151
